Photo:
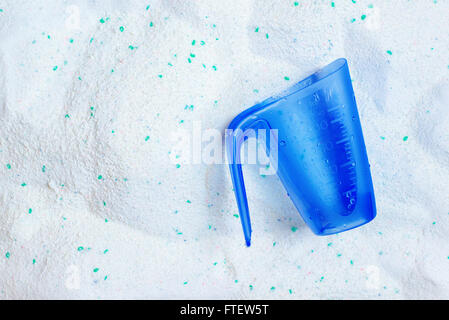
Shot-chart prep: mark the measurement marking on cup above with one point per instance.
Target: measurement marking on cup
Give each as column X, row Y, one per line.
column 342, row 141
column 348, row 183
column 336, row 120
column 347, row 193
column 333, row 109
column 346, row 164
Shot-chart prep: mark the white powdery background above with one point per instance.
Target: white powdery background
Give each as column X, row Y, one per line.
column 91, row 206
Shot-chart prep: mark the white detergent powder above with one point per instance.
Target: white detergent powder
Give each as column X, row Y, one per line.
column 93, row 206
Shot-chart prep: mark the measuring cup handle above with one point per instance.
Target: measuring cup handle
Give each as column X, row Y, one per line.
column 234, row 141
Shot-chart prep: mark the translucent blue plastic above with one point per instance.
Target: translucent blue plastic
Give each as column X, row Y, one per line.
column 322, row 160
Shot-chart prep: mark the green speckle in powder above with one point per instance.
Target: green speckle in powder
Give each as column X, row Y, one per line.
column 122, row 28
column 294, row 229
column 188, row 201
column 186, row 282
column 151, row 24
column 178, row 166
column 147, row 138
column 333, row 4
column 296, row 3
column 273, row 288
column 8, row 166
column 160, row 76
column 100, row 177
column 105, row 251
column 193, row 42
column 286, row 78
column 30, row 210
column 256, row 30
column 96, row 269
column 67, row 116
column 55, row 68
column 267, row 36
column 131, row 47
column 34, row 261
column 80, row 248
column 7, row 255
column 405, row 138
column 363, row 17
column 236, row 215
column 389, row 52
column 102, row 20
column 23, row 184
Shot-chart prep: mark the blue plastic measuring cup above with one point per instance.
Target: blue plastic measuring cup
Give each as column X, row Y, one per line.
column 322, row 160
